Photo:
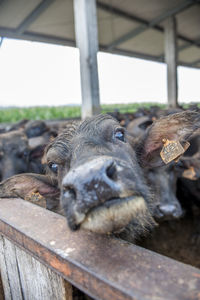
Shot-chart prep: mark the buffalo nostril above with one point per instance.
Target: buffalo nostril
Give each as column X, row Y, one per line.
column 69, row 192
column 158, row 213
column 74, row 227
column 111, row 172
column 168, row 209
column 178, row 212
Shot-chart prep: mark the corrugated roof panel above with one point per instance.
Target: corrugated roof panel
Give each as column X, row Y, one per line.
column 190, row 54
column 57, row 20
column 181, row 43
column 149, row 42
column 189, row 22
column 12, row 13
column 111, row 27
column 144, row 8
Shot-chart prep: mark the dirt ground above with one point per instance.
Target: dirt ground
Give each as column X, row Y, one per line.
column 179, row 239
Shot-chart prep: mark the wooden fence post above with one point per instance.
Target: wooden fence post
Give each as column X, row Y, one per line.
column 1, row 289
column 24, row 277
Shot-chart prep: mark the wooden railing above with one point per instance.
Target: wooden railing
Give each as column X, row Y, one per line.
column 40, row 259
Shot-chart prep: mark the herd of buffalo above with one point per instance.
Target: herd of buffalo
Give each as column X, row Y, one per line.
column 132, row 175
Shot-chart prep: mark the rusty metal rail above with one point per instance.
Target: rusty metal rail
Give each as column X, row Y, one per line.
column 101, row 266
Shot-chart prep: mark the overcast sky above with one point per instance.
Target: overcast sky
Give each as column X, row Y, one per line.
column 35, row 74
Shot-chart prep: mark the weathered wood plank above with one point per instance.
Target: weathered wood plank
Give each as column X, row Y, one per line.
column 101, row 266
column 9, row 270
column 24, row 277
column 1, row 289
column 39, row 282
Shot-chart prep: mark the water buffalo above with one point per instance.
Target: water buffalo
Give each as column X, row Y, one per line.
column 21, row 150
column 14, row 153
column 99, row 168
column 138, row 126
column 189, row 179
column 18, row 154
column 163, row 180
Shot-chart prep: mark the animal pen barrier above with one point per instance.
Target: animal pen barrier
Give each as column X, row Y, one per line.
column 40, row 259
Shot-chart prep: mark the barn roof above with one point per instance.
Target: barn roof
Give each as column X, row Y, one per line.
column 129, row 27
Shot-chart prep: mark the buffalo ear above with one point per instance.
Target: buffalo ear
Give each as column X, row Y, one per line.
column 36, row 152
column 36, row 188
column 189, row 167
column 35, row 160
column 177, row 127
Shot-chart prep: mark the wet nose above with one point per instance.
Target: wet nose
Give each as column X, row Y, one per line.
column 168, row 211
column 93, row 182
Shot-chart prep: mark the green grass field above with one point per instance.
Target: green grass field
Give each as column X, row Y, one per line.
column 61, row 112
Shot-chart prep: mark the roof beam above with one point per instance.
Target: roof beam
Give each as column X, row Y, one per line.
column 193, row 43
column 34, row 15
column 36, row 37
column 118, row 12
column 141, row 56
column 136, row 31
column 30, row 36
column 131, row 17
column 134, row 54
column 185, row 46
column 195, row 62
column 188, row 44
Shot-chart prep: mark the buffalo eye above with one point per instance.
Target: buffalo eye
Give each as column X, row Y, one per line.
column 119, row 134
column 53, row 167
column 23, row 154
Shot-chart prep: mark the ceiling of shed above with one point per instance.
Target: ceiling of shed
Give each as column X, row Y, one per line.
column 129, row 27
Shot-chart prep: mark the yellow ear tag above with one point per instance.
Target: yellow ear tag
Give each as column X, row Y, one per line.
column 36, row 198
column 171, row 150
column 190, row 174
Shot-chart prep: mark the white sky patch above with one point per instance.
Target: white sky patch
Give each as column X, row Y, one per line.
column 33, row 74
